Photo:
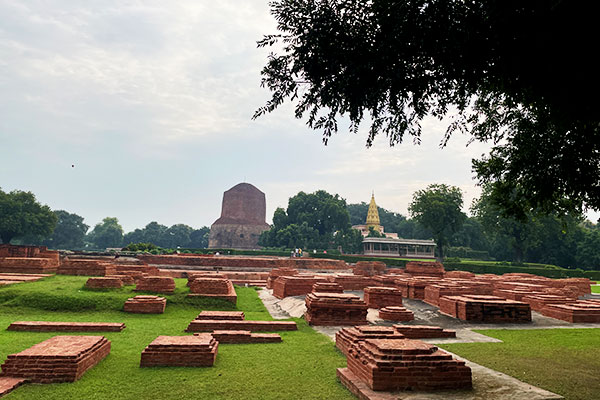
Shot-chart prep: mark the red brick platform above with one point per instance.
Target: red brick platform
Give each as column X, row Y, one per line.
column 218, row 288
column 327, row 287
column 369, row 268
column 145, row 305
column 335, row 309
column 404, row 364
column 104, row 283
column 156, row 284
column 58, row 359
column 51, row 326
column 26, row 265
column 423, row 268
column 89, row 267
column 582, row 311
column 8, row 384
column 277, row 272
column 352, row 282
column 181, row 351
column 347, row 337
column 424, row 332
column 396, row 313
column 481, row 308
column 126, row 279
column 221, row 315
column 206, row 325
column 244, row 337
column 285, row 286
column 379, row 297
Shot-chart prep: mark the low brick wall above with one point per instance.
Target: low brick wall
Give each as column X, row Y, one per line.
column 145, row 305
column 51, row 326
column 335, row 309
column 86, row 267
column 582, row 311
column 485, row 309
column 180, row 351
column 253, row 326
column 379, row 297
column 285, row 286
column 244, row 262
column 104, row 283
column 156, row 284
column 244, row 337
column 396, row 313
column 26, row 265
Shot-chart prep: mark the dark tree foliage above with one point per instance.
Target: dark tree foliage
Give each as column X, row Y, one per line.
column 69, row 232
column 310, row 221
column 519, row 74
column 22, row 216
column 199, row 238
column 106, row 234
column 438, row 208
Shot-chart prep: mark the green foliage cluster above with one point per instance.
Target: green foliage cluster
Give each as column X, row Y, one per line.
column 438, row 208
column 518, row 74
column 176, row 236
column 21, row 216
column 316, row 220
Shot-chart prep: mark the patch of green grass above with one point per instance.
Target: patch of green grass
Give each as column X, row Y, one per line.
column 595, row 288
column 303, row 366
column 564, row 361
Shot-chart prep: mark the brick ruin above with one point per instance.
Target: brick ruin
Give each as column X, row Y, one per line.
column 396, row 313
column 369, row 268
column 235, row 337
column 347, row 337
column 379, row 297
column 489, row 309
column 89, row 267
column 335, row 309
column 402, row 364
column 10, row 279
column 208, row 321
column 277, row 272
column 217, row 288
column 28, row 259
column 156, row 284
column 352, row 282
column 296, row 285
column 424, row 332
column 180, row 351
column 581, row 311
column 145, row 305
column 51, row 326
column 104, row 282
column 58, row 359
column 327, row 287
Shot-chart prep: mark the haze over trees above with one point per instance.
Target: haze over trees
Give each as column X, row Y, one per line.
column 517, row 74
column 21, row 215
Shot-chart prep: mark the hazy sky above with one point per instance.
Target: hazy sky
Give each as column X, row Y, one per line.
column 151, row 101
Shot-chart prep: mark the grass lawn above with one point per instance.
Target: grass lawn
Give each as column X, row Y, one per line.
column 564, row 361
column 302, row 367
column 595, row 288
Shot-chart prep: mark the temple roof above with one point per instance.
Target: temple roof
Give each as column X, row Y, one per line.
column 373, row 214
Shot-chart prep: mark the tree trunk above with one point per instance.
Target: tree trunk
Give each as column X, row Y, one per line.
column 440, row 247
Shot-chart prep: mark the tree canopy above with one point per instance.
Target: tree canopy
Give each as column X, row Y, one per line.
column 438, row 208
column 310, row 221
column 21, row 215
column 106, row 234
column 518, row 74
column 69, row 232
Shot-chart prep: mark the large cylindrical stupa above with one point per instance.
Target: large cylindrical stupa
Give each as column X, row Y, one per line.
column 242, row 219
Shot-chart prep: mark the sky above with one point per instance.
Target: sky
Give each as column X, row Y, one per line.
column 141, row 110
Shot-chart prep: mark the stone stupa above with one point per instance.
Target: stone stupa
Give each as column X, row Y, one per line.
column 242, row 219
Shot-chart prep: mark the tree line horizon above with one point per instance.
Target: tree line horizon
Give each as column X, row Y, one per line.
column 323, row 221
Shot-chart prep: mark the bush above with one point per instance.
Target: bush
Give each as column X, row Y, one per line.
column 549, row 271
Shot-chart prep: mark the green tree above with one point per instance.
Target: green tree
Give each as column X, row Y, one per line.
column 21, row 215
column 350, row 240
column 199, row 238
column 438, row 208
column 588, row 250
column 520, row 74
column 69, row 232
column 177, row 235
column 108, row 233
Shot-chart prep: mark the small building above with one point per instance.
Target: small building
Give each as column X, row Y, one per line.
column 395, row 247
column 390, row 244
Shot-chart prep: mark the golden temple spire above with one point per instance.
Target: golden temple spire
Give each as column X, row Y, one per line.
column 373, row 214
